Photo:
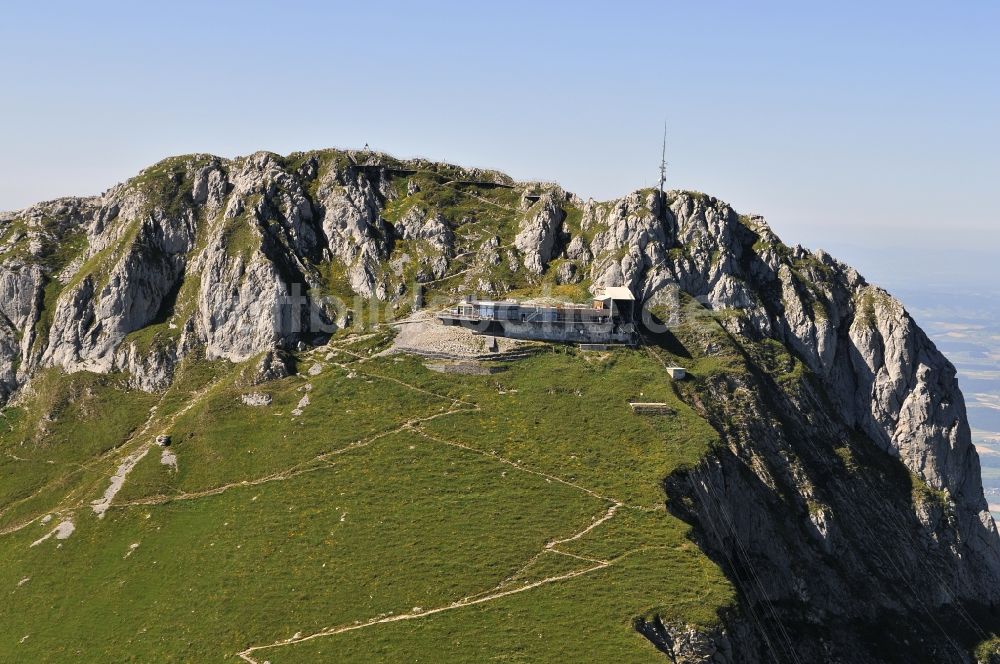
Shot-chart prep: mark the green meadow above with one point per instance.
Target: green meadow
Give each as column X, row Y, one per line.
column 395, row 514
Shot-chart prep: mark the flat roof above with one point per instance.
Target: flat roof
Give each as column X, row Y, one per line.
column 616, row 293
column 493, row 303
column 522, row 305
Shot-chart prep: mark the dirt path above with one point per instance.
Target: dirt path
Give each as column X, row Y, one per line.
column 246, row 655
column 550, row 548
column 101, row 505
column 362, row 358
column 488, row 596
column 498, row 592
column 516, row 465
column 323, row 461
column 494, row 594
column 414, row 424
column 77, row 496
column 71, row 502
column 320, row 461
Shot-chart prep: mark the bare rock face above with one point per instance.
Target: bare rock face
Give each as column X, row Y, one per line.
column 9, row 353
column 578, row 251
column 539, row 234
column 435, row 242
column 567, row 273
column 632, row 241
column 219, row 252
column 242, row 307
column 437, row 232
column 30, row 240
column 409, row 226
column 210, row 188
column 20, row 287
column 350, row 204
column 438, row 235
column 100, row 311
column 888, row 377
column 878, row 374
column 149, row 369
column 685, row 644
column 273, row 365
column 20, row 293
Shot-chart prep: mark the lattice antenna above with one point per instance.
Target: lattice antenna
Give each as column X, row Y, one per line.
column 663, row 161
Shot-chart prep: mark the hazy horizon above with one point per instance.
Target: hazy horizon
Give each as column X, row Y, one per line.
column 871, row 123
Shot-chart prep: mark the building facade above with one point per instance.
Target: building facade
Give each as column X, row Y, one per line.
column 610, row 319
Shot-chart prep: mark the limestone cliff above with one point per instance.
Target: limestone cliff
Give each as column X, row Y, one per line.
column 844, row 493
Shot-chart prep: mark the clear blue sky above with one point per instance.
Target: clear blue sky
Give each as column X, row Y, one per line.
column 876, row 122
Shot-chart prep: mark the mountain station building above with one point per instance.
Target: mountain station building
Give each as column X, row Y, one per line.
column 609, row 319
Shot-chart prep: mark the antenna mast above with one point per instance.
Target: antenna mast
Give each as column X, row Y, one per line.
column 663, row 161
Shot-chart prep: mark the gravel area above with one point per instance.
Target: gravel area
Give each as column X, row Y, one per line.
column 425, row 333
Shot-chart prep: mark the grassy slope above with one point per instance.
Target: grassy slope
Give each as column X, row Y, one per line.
column 396, row 488
column 51, row 447
column 329, row 532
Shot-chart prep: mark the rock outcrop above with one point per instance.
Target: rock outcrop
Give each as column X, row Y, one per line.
column 846, row 485
column 684, row 644
column 539, row 234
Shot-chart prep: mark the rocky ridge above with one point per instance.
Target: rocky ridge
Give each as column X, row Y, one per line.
column 234, row 259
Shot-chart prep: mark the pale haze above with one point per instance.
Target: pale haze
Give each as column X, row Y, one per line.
column 850, row 127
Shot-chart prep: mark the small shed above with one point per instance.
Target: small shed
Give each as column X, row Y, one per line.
column 677, row 373
column 650, row 408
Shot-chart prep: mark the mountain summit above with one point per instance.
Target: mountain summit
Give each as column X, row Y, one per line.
column 814, row 495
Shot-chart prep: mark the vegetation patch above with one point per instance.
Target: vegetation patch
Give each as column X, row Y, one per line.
column 392, row 490
column 50, row 297
column 48, row 446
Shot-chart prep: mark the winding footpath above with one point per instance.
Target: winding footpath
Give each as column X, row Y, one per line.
column 321, row 461
column 501, row 590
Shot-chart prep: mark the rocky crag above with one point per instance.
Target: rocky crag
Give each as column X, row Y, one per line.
column 843, row 500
